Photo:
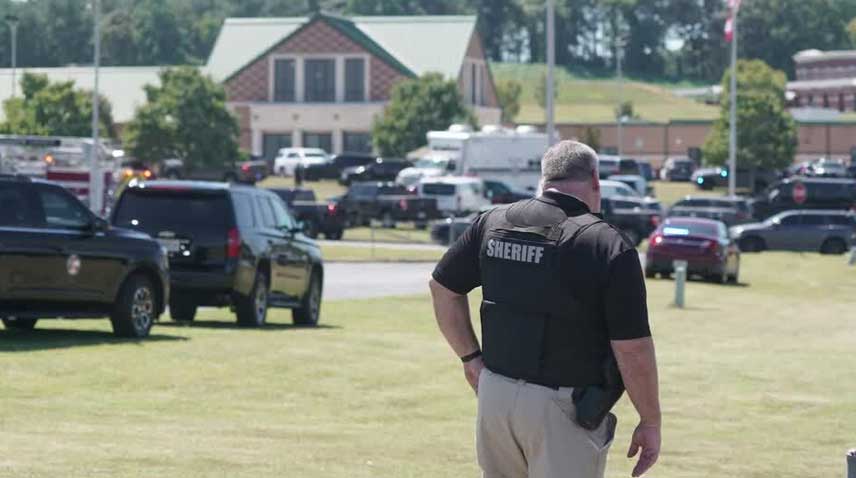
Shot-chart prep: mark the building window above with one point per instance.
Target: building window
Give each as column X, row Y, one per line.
column 284, row 82
column 355, row 79
column 320, row 80
column 825, row 100
column 473, row 83
column 318, row 140
column 482, row 85
column 273, row 142
column 841, row 106
column 356, row 142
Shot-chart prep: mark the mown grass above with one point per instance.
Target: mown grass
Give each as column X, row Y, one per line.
column 756, row 381
column 323, row 189
column 345, row 253
column 586, row 100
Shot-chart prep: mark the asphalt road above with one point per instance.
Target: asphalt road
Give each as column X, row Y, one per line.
column 367, row 280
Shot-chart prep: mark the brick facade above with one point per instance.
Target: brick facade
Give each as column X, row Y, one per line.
column 475, row 51
column 252, row 84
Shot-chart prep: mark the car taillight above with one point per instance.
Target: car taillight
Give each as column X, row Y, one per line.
column 245, row 167
column 655, row 221
column 403, row 204
column 656, row 240
column 233, row 244
column 712, row 246
column 331, row 209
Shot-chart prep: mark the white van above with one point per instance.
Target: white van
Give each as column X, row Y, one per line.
column 427, row 167
column 455, row 195
column 287, row 159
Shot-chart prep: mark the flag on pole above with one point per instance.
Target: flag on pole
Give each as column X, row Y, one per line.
column 733, row 6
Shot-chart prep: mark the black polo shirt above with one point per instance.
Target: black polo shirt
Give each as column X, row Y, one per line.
column 604, row 271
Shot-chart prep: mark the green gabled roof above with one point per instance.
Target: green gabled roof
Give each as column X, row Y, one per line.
column 343, row 26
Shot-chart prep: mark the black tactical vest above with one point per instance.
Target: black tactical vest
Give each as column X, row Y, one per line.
column 528, row 313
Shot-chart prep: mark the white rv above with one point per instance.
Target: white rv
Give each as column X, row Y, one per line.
column 512, row 156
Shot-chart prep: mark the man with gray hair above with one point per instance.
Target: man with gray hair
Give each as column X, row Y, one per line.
column 564, row 328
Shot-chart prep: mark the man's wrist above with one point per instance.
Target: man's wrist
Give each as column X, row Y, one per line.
column 471, row 356
column 653, row 421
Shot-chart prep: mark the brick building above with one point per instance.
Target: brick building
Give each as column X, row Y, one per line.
column 321, row 81
column 824, row 79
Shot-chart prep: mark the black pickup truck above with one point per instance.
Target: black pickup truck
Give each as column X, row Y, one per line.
column 326, row 218
column 248, row 172
column 634, row 217
column 388, row 202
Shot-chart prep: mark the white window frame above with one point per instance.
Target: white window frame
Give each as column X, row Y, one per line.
column 477, row 97
column 300, row 69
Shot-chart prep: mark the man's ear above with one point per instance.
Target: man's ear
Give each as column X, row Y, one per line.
column 595, row 181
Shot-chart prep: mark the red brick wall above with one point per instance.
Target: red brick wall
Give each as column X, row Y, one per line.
column 252, row 83
column 245, row 140
column 475, row 51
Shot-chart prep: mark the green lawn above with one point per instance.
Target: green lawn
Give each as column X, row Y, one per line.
column 323, row 189
column 757, row 382
column 345, row 253
column 403, row 232
column 586, row 100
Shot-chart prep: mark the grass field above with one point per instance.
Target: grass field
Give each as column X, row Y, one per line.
column 583, row 99
column 757, row 381
column 346, row 253
column 323, row 189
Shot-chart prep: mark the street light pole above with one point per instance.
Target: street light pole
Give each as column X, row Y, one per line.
column 12, row 21
column 619, row 53
column 551, row 67
column 96, row 194
column 732, row 131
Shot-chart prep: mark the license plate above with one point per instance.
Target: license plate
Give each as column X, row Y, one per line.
column 171, row 245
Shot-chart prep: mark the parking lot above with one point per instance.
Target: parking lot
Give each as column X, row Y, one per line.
column 757, row 373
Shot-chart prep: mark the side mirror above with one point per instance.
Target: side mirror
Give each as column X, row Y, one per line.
column 97, row 225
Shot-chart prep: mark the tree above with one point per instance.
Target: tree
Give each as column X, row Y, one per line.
column 416, row 107
column 541, row 91
column 186, row 116
column 625, row 110
column 508, row 93
column 851, row 31
column 54, row 109
column 591, row 137
column 766, row 132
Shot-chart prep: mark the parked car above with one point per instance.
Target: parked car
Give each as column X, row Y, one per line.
column 500, row 193
column 229, row 246
column 851, row 171
column 389, row 202
column 730, row 210
column 60, row 260
column 619, row 190
column 703, row 243
column 332, row 169
column 248, row 172
column 633, row 216
column 608, row 165
column 316, row 217
column 431, row 166
column 636, row 182
column 646, row 171
column 828, row 169
column 677, row 169
column 440, row 230
column 288, row 159
column 825, row 231
column 382, row 169
column 709, row 178
column 820, row 193
column 455, row 195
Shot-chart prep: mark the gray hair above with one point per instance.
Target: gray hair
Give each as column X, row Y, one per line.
column 568, row 160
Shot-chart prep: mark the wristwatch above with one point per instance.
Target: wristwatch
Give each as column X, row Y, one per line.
column 471, row 357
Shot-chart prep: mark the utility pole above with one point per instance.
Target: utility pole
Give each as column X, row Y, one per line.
column 96, row 179
column 551, row 67
column 12, row 21
column 732, row 132
column 619, row 54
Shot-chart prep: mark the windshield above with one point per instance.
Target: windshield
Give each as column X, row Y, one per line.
column 610, row 190
column 431, row 164
column 438, row 189
column 156, row 211
column 690, row 228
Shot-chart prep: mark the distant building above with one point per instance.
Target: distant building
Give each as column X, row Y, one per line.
column 824, row 79
column 322, row 81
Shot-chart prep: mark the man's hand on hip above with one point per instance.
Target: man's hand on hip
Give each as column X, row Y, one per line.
column 646, row 437
column 472, row 371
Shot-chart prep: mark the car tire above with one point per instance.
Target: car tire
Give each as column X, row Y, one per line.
column 182, row 310
column 650, row 273
column 252, row 310
column 751, row 244
column 20, row 324
column 421, row 225
column 720, row 278
column 135, row 309
column 310, row 306
column 834, row 246
column 334, row 235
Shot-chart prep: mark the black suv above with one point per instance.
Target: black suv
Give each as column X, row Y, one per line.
column 333, row 169
column 381, row 169
column 60, row 260
column 820, row 193
column 229, row 245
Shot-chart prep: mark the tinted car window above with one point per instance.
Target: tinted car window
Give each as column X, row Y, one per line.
column 264, row 213
column 304, row 196
column 361, row 190
column 814, row 220
column 244, row 210
column 792, row 220
column 624, row 205
column 154, row 211
column 438, row 189
column 283, row 219
column 62, row 211
column 840, row 220
column 16, row 207
column 688, row 228
column 393, row 190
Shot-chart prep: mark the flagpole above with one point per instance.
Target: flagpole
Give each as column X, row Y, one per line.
column 551, row 67
column 732, row 133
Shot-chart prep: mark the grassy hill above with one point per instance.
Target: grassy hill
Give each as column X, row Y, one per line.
column 594, row 99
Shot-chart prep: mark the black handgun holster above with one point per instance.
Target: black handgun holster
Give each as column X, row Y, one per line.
column 594, row 402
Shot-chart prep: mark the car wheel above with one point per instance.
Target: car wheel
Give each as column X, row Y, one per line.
column 833, row 246
column 751, row 244
column 334, row 235
column 135, row 309
column 421, row 225
column 20, row 324
column 252, row 310
column 650, row 273
column 182, row 310
column 310, row 307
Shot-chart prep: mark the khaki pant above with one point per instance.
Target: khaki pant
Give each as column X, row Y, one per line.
column 526, row 430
